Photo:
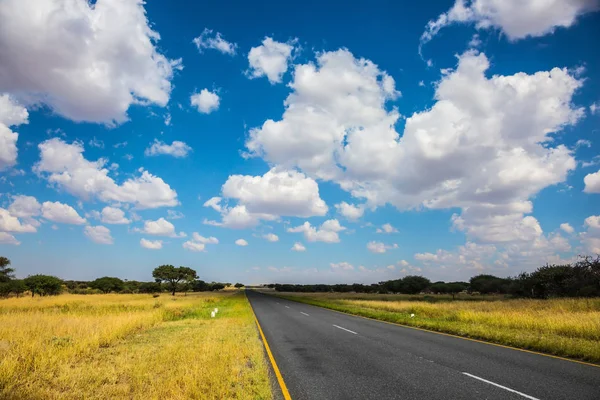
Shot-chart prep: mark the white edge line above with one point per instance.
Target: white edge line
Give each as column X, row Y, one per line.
column 348, row 330
column 304, row 313
column 502, row 387
column 286, row 307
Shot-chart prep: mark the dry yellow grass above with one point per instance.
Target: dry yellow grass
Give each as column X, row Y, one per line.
column 131, row 346
column 566, row 327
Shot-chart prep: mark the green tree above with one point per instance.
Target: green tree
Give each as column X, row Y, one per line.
column 149, row 287
column 17, row 286
column 413, row 284
column 43, row 285
column 108, row 284
column 6, row 273
column 172, row 276
column 239, row 285
column 486, row 284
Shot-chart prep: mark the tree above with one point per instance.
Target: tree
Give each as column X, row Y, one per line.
column 200, row 286
column 216, row 286
column 239, row 285
column 413, row 284
column 6, row 273
column 43, row 285
column 108, row 284
column 172, row 276
column 486, row 284
column 149, row 287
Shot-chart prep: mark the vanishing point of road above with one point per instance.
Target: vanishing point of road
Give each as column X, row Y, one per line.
column 324, row 354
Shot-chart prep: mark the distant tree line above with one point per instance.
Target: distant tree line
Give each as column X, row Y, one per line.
column 580, row 279
column 167, row 278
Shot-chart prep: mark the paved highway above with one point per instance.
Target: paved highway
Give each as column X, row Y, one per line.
column 323, row 354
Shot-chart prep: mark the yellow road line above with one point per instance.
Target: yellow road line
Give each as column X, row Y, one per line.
column 284, row 389
column 451, row 335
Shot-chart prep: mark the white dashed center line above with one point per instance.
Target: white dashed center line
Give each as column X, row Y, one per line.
column 344, row 329
column 286, row 307
column 304, row 313
column 501, row 387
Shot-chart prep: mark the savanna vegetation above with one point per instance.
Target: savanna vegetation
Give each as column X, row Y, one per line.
column 581, row 279
column 135, row 346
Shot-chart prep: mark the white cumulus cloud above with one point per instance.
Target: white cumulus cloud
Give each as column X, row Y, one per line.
column 298, row 247
column 271, row 237
column 592, row 182
column 379, row 247
column 328, row 232
column 267, row 197
column 208, row 40
column 11, row 114
column 205, row 101
column 350, row 211
column 87, row 62
column 386, row 228
column 98, row 234
column 341, row 266
column 567, row 228
column 517, row 19
column 160, row 227
column 270, row 59
column 61, row 213
column 64, row 165
column 151, row 244
column 241, row 242
column 113, row 215
column 176, row 149
column 198, row 243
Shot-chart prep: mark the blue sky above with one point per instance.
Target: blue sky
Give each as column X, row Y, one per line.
column 275, row 143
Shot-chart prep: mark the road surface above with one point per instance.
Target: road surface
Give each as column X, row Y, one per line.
column 324, row 354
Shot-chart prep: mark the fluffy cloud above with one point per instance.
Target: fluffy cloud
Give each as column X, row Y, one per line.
column 176, row 149
column 328, row 232
column 386, row 228
column 342, row 266
column 10, row 223
column 485, row 145
column 271, row 237
column 288, row 193
column 112, row 215
column 7, row 238
column 380, row 248
column 298, row 247
column 98, row 234
column 241, row 242
column 592, row 183
column 198, row 242
column 591, row 238
column 88, row 62
column 207, row 40
column 151, row 244
column 517, row 19
column 62, row 213
column 11, row 114
column 205, row 101
column 270, row 59
column 25, row 206
column 350, row 211
column 63, row 165
column 567, row 228
column 160, row 227
column 276, row 193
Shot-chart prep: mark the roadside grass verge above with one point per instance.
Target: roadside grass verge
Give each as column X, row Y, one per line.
column 562, row 327
column 131, row 346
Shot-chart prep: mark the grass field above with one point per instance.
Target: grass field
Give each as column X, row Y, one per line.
column 131, row 346
column 564, row 327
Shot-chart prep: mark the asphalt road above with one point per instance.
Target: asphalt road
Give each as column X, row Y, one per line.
column 323, row 354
